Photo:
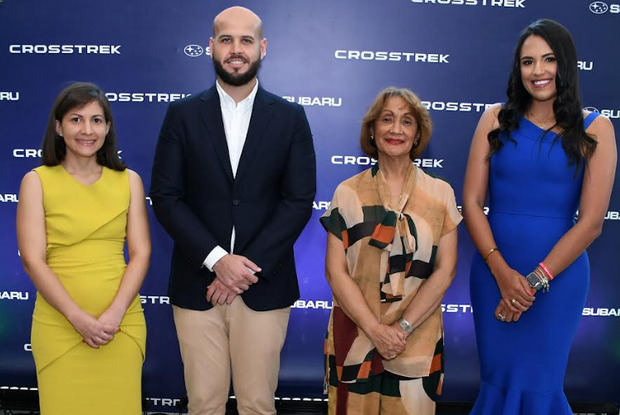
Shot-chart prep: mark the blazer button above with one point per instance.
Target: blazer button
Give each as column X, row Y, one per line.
column 236, row 202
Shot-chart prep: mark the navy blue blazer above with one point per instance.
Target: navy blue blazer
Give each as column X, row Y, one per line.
column 197, row 200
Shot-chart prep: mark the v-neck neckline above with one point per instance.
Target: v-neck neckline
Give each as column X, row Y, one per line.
column 103, row 169
column 537, row 127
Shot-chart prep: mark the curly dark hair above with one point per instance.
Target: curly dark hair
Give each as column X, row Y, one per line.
column 567, row 105
column 77, row 95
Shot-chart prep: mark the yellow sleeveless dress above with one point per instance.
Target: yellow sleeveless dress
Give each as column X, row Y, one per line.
column 86, row 229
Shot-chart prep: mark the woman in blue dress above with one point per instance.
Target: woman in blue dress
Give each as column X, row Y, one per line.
column 540, row 158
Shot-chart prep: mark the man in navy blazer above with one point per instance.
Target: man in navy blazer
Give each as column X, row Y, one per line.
column 233, row 183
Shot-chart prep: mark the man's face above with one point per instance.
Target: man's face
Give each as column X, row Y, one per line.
column 237, row 49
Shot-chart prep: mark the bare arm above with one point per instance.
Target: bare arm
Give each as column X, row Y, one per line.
column 139, row 249
column 32, row 240
column 431, row 292
column 511, row 284
column 596, row 190
column 388, row 340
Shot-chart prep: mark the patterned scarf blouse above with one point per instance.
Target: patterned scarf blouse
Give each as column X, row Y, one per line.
column 390, row 252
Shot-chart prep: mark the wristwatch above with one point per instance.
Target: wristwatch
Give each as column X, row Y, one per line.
column 534, row 281
column 405, row 325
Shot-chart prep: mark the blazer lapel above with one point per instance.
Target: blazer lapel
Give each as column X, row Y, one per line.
column 212, row 117
column 261, row 116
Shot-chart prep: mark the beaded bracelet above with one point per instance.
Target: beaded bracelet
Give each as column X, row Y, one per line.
column 538, row 271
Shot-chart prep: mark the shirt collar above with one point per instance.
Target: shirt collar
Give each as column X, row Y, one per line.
column 229, row 102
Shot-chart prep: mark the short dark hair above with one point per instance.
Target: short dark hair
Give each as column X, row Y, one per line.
column 567, row 105
column 77, row 95
column 422, row 118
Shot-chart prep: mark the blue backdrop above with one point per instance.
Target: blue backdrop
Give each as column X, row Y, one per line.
column 333, row 58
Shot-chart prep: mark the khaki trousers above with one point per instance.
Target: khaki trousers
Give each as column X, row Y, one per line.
column 212, row 342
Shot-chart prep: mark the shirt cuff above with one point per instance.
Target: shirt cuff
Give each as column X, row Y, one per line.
column 215, row 255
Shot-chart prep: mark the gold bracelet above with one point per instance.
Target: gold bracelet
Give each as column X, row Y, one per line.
column 486, row 257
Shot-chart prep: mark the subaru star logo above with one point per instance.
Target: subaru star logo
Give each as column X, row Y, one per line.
column 598, row 7
column 591, row 109
column 196, row 50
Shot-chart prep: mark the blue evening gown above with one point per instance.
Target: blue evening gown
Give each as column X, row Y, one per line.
column 533, row 196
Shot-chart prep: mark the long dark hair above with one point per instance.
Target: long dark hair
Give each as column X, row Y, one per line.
column 567, row 105
column 77, row 95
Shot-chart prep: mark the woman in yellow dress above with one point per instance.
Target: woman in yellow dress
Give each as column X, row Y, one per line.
column 74, row 214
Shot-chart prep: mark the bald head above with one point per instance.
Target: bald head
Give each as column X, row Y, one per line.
column 239, row 16
column 237, row 47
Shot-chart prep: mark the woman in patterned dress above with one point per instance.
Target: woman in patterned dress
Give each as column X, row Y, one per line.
column 391, row 255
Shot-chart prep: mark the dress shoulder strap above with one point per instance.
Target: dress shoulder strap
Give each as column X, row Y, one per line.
column 588, row 120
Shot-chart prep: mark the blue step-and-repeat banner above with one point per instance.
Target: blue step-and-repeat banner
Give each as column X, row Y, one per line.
column 332, row 57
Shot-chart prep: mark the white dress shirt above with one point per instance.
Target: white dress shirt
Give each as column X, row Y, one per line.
column 236, row 117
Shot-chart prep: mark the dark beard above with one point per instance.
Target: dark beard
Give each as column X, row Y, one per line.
column 236, row 79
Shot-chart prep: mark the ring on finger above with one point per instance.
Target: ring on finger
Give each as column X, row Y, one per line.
column 501, row 316
column 514, row 301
